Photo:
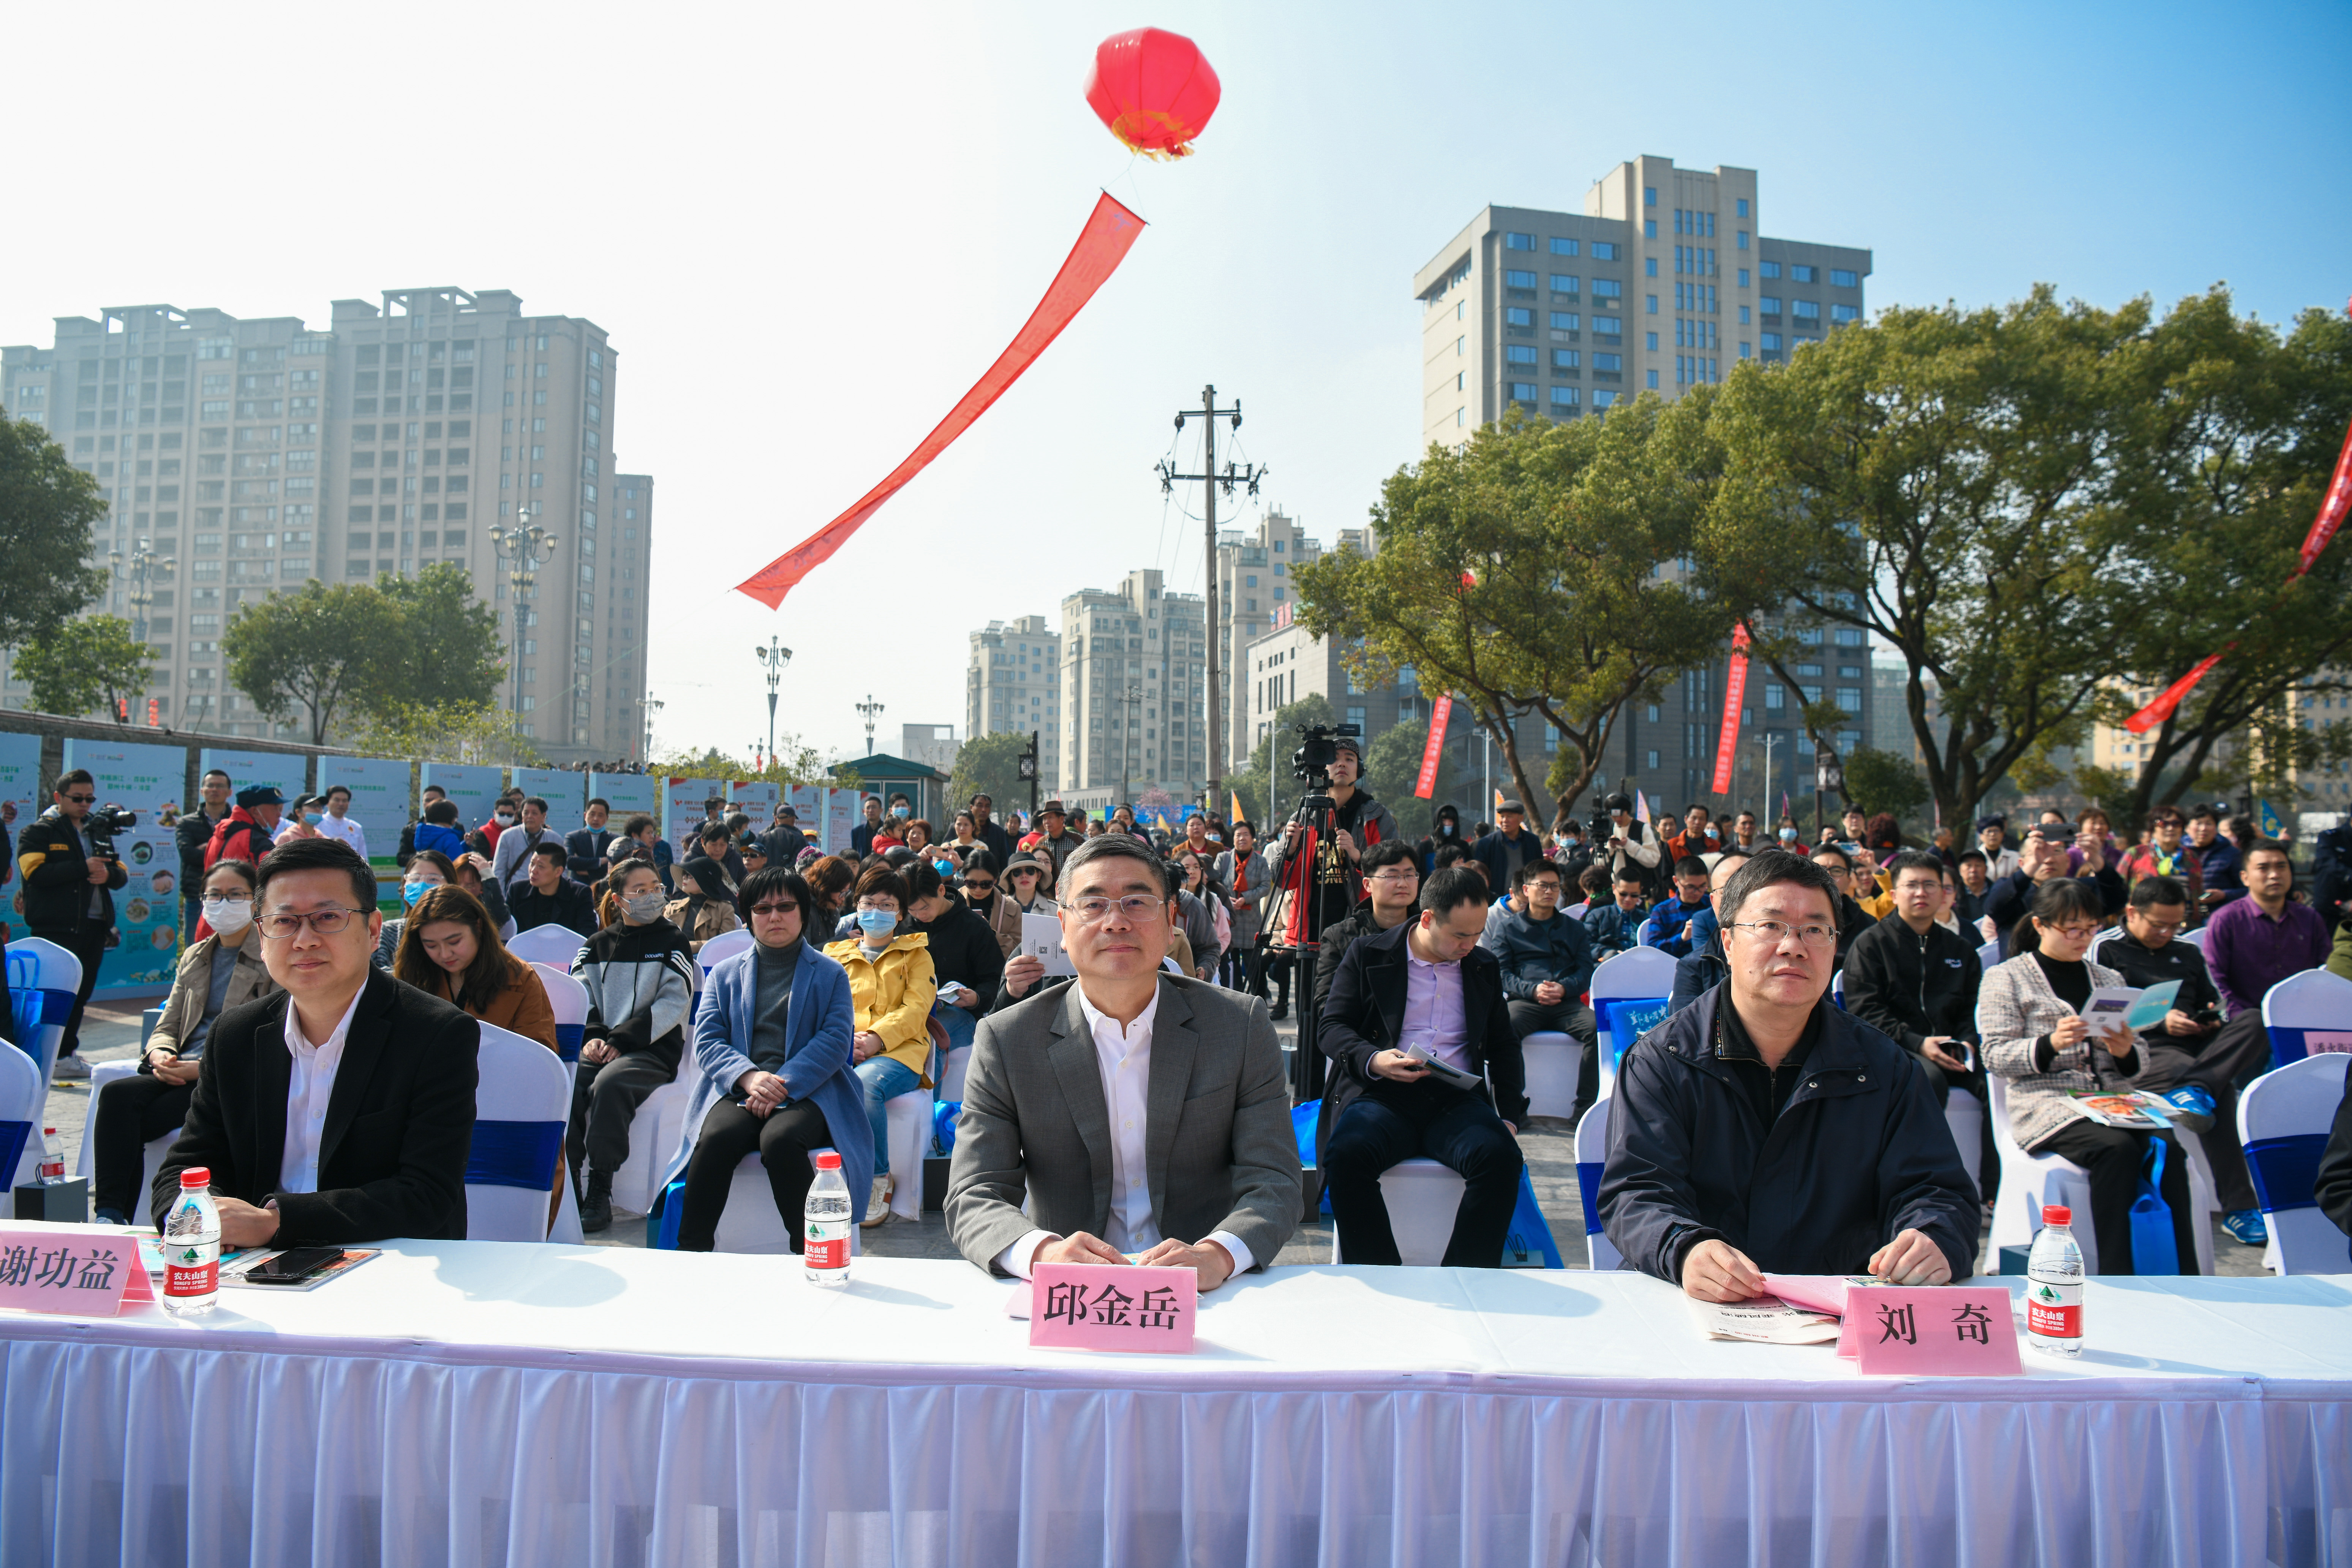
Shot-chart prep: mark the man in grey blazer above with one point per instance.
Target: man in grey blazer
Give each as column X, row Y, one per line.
column 1142, row 1113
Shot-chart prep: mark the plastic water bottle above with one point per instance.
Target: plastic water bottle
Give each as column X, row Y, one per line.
column 53, row 1158
column 2053, row 1291
column 191, row 1247
column 824, row 1224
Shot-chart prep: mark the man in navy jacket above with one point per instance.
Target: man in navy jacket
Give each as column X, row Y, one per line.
column 1764, row 1130
column 1546, row 963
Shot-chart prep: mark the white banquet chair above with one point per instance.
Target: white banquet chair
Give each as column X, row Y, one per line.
column 1640, row 973
column 523, row 1102
column 24, row 1096
column 1423, row 1197
column 2030, row 1181
column 43, row 979
column 1592, row 1154
column 569, row 998
column 2284, row 1118
column 1552, row 1061
column 2313, row 1002
column 553, row 946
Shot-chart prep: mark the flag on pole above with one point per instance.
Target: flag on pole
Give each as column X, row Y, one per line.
column 1734, row 692
column 1498, row 803
column 2271, row 822
column 1426, row 784
column 1641, row 807
column 1237, row 817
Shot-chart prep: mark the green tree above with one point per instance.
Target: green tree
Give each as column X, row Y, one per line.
column 316, row 652
column 1946, row 482
column 79, row 665
column 1880, row 781
column 449, row 650
column 990, row 765
column 1531, row 572
column 47, row 508
column 1392, row 767
column 2245, row 426
column 481, row 733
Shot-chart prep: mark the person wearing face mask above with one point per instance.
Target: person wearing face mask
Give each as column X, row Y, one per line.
column 640, row 981
column 427, row 870
column 216, row 972
column 892, row 986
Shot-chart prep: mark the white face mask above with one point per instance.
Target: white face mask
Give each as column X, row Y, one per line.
column 228, row 915
column 644, row 909
column 504, row 819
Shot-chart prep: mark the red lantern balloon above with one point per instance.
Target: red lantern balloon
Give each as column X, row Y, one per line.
column 1154, row 89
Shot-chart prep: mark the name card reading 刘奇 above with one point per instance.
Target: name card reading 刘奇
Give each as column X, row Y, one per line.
column 1094, row 1306
column 1931, row 1331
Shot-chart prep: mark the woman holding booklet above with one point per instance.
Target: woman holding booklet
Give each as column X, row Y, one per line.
column 2030, row 1014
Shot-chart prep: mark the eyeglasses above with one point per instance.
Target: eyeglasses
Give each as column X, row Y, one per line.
column 2072, row 933
column 82, row 799
column 247, row 899
column 1778, row 931
column 775, row 910
column 1134, row 907
column 871, row 907
column 1394, row 878
column 2163, row 928
column 972, row 886
column 328, row 921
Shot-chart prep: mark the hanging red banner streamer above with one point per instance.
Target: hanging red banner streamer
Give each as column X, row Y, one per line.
column 1427, row 783
column 1734, row 691
column 2331, row 508
column 1109, row 232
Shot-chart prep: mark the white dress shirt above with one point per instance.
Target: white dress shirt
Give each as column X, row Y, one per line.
column 308, row 1089
column 1124, row 1057
column 344, row 828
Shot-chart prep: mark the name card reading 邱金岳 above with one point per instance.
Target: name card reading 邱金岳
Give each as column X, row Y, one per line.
column 1094, row 1306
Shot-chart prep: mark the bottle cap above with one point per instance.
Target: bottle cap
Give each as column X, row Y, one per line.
column 48, row 1132
column 2057, row 1214
column 828, row 1160
column 196, row 1177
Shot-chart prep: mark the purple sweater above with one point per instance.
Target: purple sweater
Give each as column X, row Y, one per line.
column 2249, row 953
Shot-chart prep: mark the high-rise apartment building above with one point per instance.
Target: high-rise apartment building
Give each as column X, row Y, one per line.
column 1013, row 681
column 1664, row 280
column 260, row 454
column 1133, row 692
column 1254, row 587
column 1288, row 663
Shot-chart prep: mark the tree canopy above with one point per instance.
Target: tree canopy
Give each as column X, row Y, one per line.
column 315, row 653
column 47, row 508
column 76, row 665
column 449, row 650
column 990, row 765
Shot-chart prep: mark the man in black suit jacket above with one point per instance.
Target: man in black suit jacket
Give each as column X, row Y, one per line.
column 340, row 1109
column 1427, row 985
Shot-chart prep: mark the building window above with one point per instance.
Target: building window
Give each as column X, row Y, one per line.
column 1564, row 358
column 1517, row 279
column 1799, row 274
column 1518, row 316
column 1607, row 327
column 1564, row 283
column 1649, row 267
column 1563, row 248
column 1740, row 207
column 1769, row 304
column 1520, row 353
column 1767, row 270
column 1805, row 309
column 1743, row 278
column 1841, row 277
column 1518, row 242
column 1654, row 758
column 1524, row 391
column 1743, row 239
column 1603, row 398
column 1771, row 343
column 1652, row 343
column 1564, row 396
column 1743, row 349
column 1843, row 313
column 1566, row 322
column 1609, row 361
column 1654, row 381
column 1604, row 250
column 1650, row 231
column 1775, row 698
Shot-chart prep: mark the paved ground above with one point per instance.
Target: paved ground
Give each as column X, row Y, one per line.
column 111, row 1034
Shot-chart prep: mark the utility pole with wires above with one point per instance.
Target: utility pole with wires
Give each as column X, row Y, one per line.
column 1210, row 480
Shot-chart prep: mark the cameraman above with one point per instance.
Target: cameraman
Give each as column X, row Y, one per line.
column 69, row 876
column 1359, row 821
column 1631, row 852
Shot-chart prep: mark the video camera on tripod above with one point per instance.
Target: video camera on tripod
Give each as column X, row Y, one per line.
column 1319, row 749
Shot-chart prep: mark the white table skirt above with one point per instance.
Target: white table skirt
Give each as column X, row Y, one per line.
column 477, row 1403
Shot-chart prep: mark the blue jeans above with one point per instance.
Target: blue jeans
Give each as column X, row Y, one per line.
column 961, row 1023
column 884, row 1080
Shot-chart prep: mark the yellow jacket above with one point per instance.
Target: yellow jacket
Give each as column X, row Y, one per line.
column 1880, row 904
column 893, row 995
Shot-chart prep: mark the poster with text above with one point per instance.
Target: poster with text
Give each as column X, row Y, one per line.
column 565, row 791
column 146, row 911
column 683, row 808
column 757, row 800
column 21, row 795
column 844, row 810
column 474, row 788
column 808, row 802
column 627, row 795
column 290, row 771
column 144, row 779
column 381, row 804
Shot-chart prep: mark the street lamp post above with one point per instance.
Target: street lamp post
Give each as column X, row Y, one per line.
column 144, row 561
column 653, row 706
column 524, row 548
column 1769, row 739
column 775, row 656
column 869, row 709
column 1129, row 699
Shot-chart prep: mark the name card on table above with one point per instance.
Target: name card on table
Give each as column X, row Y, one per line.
column 1930, row 1331
column 83, row 1272
column 1090, row 1307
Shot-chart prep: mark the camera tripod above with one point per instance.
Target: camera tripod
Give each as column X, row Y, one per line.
column 1317, row 879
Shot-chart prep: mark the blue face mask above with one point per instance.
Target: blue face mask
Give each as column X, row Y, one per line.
column 411, row 891
column 900, row 811
column 1788, row 835
column 877, row 923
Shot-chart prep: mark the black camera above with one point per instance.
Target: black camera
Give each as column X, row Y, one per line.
column 111, row 820
column 1603, row 824
column 1319, row 749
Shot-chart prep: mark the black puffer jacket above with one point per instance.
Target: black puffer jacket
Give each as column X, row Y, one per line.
column 1910, row 986
column 1859, row 1152
column 56, row 865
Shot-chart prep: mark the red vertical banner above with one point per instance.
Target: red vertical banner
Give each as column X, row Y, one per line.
column 1424, row 785
column 1734, row 692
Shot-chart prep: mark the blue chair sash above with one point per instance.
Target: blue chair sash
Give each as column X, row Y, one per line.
column 1530, row 1231
column 943, row 1115
column 1628, row 1018
column 514, row 1155
column 34, row 1008
column 1302, row 1127
column 2153, row 1246
column 12, row 1146
column 2287, row 1170
column 1588, row 1187
column 569, row 1038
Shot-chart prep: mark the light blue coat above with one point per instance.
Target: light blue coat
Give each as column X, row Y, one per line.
column 817, row 1029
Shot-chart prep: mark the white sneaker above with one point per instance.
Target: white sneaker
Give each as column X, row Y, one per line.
column 70, row 1069
column 877, row 1204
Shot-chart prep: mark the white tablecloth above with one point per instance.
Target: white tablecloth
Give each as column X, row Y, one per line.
column 474, row 1402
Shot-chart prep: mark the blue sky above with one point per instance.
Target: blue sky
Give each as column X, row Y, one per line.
column 807, row 232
